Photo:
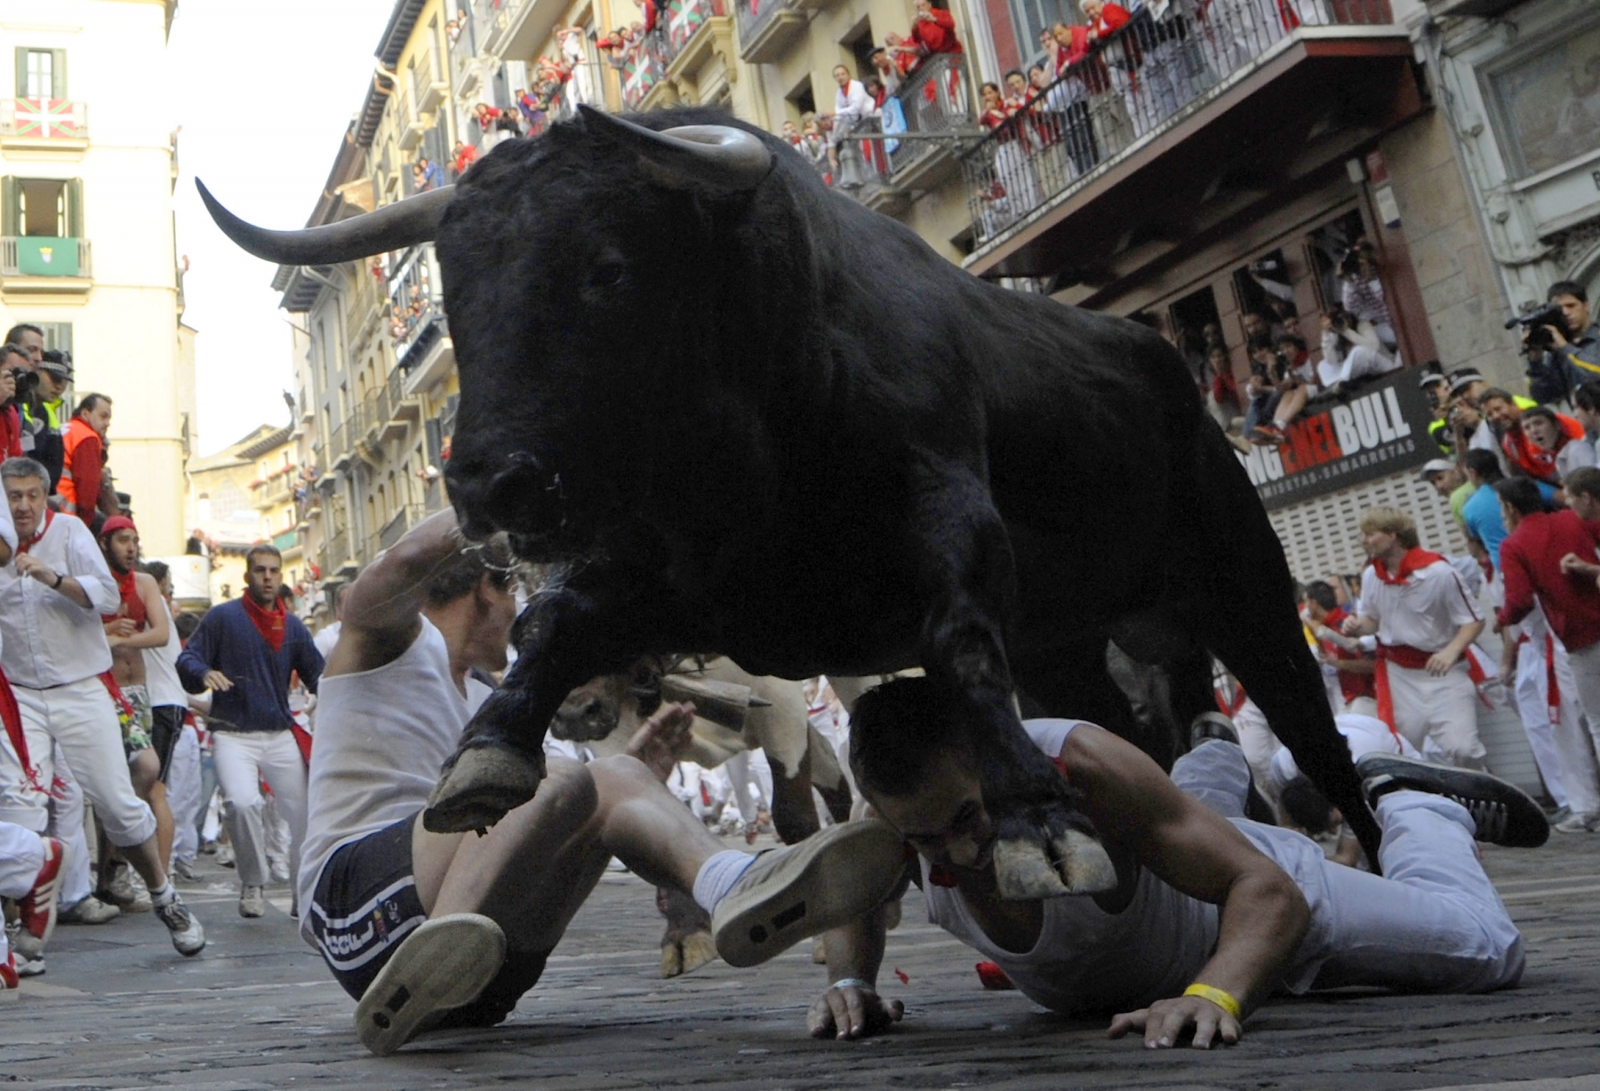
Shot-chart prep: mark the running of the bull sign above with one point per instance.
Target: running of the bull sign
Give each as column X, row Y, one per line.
column 1378, row 430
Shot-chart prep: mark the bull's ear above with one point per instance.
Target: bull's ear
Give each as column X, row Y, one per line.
column 690, row 157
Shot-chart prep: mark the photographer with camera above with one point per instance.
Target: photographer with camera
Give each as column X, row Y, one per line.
column 38, row 400
column 13, row 367
column 1277, row 391
column 1351, row 350
column 1561, row 341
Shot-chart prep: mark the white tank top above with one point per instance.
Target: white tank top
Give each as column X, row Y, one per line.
column 161, row 670
column 382, row 736
column 1090, row 962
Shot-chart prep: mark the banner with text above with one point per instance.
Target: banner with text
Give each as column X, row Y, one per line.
column 1376, row 431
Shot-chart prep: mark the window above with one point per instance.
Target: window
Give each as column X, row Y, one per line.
column 44, row 207
column 57, row 335
column 859, row 42
column 41, row 73
column 1546, row 100
column 1031, row 17
column 801, row 99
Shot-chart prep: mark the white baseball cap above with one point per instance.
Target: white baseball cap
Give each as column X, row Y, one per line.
column 1436, row 466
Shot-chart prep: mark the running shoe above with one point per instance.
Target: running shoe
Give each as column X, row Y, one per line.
column 445, row 963
column 252, row 901
column 125, row 890
column 90, row 910
column 187, row 935
column 831, row 878
column 1577, row 823
column 37, row 911
column 1504, row 813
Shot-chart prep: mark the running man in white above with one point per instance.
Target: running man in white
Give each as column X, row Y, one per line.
column 1211, row 913
column 1425, row 621
column 429, row 930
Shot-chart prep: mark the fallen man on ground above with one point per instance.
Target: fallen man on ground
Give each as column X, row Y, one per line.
column 431, row 930
column 1211, row 913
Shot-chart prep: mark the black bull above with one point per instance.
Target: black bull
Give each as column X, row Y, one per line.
column 752, row 417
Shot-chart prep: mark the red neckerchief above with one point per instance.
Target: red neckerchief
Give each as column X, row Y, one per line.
column 1415, row 558
column 128, row 590
column 40, row 533
column 269, row 623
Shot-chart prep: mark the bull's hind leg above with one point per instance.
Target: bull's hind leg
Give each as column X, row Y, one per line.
column 1044, row 847
column 1245, row 613
column 571, row 632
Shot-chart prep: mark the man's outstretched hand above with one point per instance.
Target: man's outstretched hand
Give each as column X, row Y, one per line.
column 852, row 1012
column 1165, row 1021
column 663, row 738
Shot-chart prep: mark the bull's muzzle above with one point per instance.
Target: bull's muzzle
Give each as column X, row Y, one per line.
column 515, row 494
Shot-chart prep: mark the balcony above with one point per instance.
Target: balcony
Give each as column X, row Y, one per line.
column 278, row 489
column 287, row 543
column 644, row 66
column 766, row 27
column 44, row 125
column 1167, row 128
column 43, row 264
column 336, row 553
column 429, row 87
column 415, row 297
column 339, row 446
column 398, row 410
column 688, row 24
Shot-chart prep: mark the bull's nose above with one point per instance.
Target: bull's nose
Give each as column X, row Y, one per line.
column 509, row 494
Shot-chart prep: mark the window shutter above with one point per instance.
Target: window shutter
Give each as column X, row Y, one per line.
column 58, row 73
column 22, row 71
column 75, row 208
column 9, row 218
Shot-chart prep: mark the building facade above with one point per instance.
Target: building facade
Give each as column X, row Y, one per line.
column 88, row 160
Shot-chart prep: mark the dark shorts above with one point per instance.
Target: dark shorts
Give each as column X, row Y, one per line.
column 366, row 903
column 166, row 724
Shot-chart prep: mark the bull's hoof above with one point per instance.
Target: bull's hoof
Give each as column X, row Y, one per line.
column 478, row 786
column 1071, row 862
column 688, row 954
column 698, row 950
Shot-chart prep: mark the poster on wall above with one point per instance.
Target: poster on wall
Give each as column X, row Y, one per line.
column 1378, row 430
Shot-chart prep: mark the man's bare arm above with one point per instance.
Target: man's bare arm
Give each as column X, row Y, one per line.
column 382, row 615
column 1263, row 917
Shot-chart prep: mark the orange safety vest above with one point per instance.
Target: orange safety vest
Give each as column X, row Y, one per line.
column 76, row 432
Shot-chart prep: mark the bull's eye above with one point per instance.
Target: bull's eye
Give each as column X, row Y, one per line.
column 607, row 275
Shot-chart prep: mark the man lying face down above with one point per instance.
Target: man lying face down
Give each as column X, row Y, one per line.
column 1211, row 913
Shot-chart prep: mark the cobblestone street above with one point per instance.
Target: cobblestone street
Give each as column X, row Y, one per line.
column 118, row 1009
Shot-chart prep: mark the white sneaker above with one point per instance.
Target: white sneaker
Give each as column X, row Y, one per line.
column 1577, row 823
column 252, row 902
column 187, row 935
column 445, row 963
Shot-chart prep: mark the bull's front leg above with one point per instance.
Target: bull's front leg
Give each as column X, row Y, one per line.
column 572, row 631
column 1044, row 847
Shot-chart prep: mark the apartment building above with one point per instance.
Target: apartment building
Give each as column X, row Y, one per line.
column 88, row 160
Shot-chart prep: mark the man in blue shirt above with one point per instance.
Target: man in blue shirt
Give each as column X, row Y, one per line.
column 1481, row 512
column 245, row 652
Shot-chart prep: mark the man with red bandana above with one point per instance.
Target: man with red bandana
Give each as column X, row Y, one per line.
column 244, row 652
column 1425, row 621
column 139, row 622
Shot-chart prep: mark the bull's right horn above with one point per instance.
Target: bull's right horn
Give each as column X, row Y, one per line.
column 392, row 227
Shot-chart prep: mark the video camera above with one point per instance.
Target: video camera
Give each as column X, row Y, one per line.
column 1535, row 321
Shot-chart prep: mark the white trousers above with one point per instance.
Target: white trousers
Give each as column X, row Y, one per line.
column 1432, row 923
column 80, row 717
column 66, row 824
column 183, row 795
column 1585, row 664
column 244, row 759
column 1444, row 709
column 1571, row 775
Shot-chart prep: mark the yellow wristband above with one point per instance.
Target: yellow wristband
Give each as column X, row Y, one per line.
column 1219, row 997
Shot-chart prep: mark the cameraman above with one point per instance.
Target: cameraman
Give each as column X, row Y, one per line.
column 1571, row 344
column 13, row 365
column 1277, row 393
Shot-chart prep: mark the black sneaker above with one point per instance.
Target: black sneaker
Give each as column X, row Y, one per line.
column 1504, row 813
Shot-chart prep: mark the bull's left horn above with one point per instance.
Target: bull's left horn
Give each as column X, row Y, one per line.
column 692, row 156
column 392, row 227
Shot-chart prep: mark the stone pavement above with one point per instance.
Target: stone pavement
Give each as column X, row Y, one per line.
column 119, row 1009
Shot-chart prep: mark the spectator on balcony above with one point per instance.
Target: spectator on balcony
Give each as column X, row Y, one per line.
column 1351, row 350
column 1012, row 168
column 1079, row 73
column 1168, row 74
column 1223, row 395
column 452, row 30
column 1238, row 31
column 1361, row 291
column 851, row 106
column 933, row 29
column 427, row 175
column 885, row 69
column 891, row 119
column 1123, row 57
column 812, row 141
column 84, row 448
column 464, row 156
column 904, row 53
column 496, row 124
column 1277, row 393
